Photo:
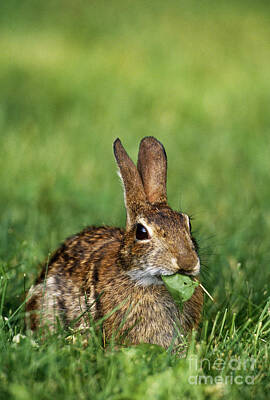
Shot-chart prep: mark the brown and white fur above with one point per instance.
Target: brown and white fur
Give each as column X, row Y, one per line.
column 103, row 268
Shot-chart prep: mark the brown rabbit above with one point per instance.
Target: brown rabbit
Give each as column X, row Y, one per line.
column 103, row 268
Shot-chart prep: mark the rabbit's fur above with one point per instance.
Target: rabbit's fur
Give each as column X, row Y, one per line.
column 104, row 268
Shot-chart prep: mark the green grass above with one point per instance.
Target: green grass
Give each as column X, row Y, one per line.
column 73, row 77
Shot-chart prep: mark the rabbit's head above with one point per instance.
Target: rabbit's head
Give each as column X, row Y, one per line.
column 158, row 240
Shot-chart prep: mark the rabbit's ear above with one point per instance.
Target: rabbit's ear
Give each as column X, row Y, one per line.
column 152, row 166
column 133, row 188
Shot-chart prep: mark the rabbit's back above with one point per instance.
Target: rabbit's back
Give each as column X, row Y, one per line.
column 66, row 287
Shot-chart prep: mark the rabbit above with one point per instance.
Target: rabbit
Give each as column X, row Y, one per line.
column 116, row 272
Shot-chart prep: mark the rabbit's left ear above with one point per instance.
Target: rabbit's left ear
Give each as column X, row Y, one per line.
column 134, row 194
column 152, row 167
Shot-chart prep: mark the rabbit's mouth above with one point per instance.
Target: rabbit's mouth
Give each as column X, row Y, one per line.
column 148, row 276
column 184, row 272
column 152, row 275
column 191, row 272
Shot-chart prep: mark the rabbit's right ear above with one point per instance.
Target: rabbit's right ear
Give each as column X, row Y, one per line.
column 133, row 188
column 152, row 166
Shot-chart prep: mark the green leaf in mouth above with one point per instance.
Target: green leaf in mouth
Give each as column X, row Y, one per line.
column 181, row 287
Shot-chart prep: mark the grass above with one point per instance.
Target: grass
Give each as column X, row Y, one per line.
column 73, row 77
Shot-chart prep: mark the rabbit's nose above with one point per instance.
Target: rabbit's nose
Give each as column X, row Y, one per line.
column 188, row 265
column 197, row 268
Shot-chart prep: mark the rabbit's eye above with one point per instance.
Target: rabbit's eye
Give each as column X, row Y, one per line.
column 141, row 232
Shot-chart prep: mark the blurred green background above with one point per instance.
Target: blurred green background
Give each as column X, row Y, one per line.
column 74, row 75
